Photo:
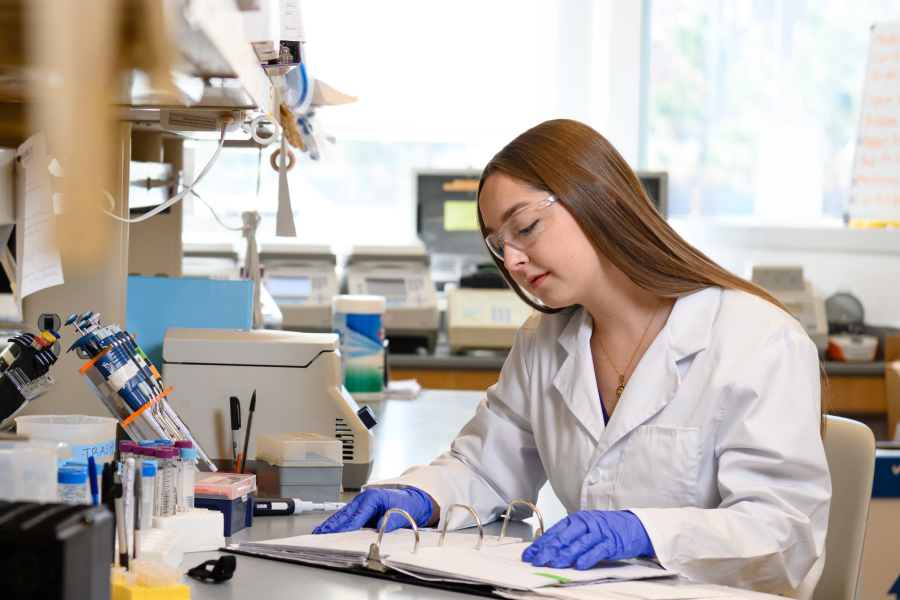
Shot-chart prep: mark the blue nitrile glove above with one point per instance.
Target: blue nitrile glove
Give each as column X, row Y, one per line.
column 588, row 536
column 368, row 507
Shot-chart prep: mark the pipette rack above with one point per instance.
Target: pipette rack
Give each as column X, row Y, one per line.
column 128, row 384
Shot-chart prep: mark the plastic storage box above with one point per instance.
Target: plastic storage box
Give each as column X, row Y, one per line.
column 28, row 469
column 229, row 493
column 306, row 466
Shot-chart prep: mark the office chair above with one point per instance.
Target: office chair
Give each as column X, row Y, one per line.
column 850, row 451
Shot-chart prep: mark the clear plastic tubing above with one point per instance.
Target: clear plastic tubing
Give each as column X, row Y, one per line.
column 148, row 496
column 72, row 488
column 187, row 458
column 165, row 479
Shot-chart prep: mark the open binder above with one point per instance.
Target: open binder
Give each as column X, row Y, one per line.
column 448, row 561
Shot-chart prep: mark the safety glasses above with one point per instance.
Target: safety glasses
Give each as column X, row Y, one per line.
column 522, row 229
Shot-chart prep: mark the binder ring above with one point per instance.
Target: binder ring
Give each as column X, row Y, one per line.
column 374, row 559
column 290, row 163
column 540, row 531
column 447, row 521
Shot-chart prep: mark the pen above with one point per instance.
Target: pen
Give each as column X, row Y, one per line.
column 235, row 427
column 138, row 471
column 247, row 435
column 272, row 507
column 109, row 501
column 128, row 502
column 92, row 476
column 120, row 521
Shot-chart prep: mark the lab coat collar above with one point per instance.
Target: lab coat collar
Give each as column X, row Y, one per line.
column 690, row 323
column 655, row 379
column 575, row 379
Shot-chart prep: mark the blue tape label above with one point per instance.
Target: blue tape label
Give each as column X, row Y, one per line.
column 98, row 451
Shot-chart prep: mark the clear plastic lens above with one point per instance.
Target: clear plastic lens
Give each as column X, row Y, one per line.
column 522, row 229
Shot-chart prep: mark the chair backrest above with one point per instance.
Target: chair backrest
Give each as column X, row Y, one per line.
column 850, row 451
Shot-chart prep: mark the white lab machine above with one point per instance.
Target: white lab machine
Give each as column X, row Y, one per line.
column 787, row 285
column 302, row 280
column 297, row 378
column 402, row 275
column 484, row 319
column 210, row 261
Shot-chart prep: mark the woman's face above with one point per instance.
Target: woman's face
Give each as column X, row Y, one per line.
column 560, row 265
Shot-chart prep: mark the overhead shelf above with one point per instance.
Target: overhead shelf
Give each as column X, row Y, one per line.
column 213, row 64
column 212, row 47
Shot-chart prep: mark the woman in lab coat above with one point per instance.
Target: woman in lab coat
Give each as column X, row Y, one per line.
column 674, row 407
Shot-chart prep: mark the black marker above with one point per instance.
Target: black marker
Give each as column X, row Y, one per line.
column 235, row 427
column 247, row 436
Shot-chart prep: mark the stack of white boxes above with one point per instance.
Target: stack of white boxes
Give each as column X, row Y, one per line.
column 306, row 466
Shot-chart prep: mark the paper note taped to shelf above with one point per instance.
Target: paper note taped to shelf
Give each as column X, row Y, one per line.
column 39, row 266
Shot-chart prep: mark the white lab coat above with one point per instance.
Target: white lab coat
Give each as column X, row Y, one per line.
column 714, row 443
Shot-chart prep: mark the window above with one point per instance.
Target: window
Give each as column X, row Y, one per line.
column 441, row 85
column 753, row 104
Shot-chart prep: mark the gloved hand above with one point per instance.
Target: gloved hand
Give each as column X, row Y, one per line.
column 588, row 536
column 367, row 509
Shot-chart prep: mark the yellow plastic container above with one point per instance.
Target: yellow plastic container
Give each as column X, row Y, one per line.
column 176, row 592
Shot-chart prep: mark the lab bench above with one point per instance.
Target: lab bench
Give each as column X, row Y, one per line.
column 408, row 434
column 855, row 389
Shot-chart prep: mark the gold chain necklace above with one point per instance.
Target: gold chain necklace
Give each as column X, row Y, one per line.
column 621, row 387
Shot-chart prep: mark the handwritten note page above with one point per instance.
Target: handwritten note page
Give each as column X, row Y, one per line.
column 39, row 267
column 875, row 188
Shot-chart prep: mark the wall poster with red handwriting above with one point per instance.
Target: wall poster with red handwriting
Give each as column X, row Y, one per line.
column 875, row 187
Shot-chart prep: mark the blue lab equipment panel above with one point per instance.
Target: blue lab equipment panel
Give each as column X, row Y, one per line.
column 157, row 303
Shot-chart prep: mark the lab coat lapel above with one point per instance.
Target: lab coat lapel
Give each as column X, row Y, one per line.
column 656, row 380
column 575, row 379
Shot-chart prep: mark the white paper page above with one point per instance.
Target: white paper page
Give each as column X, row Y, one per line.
column 502, row 566
column 292, row 21
column 630, row 590
column 643, row 590
column 39, row 267
column 401, row 540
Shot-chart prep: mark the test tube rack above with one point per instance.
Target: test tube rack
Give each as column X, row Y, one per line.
column 128, row 384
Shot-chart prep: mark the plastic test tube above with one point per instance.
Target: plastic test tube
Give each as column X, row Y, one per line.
column 165, row 479
column 149, row 454
column 148, row 489
column 187, row 461
column 85, row 466
column 72, row 488
column 128, row 475
column 126, row 449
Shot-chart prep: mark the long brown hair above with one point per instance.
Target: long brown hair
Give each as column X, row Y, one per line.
column 593, row 181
